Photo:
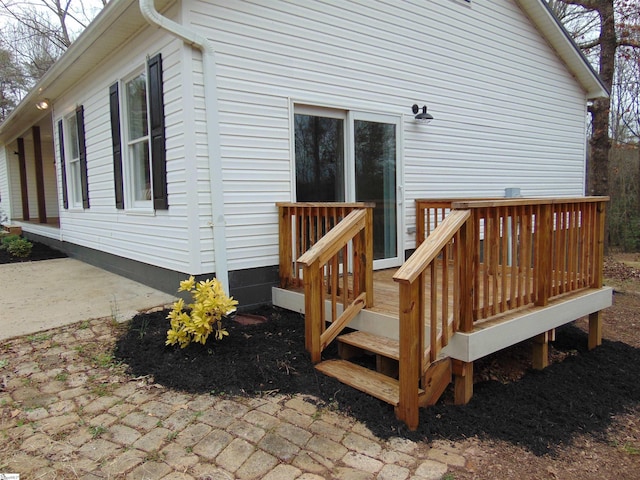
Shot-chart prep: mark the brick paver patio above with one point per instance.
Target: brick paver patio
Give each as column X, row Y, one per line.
column 69, row 411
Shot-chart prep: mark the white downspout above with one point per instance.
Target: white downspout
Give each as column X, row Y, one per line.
column 189, row 36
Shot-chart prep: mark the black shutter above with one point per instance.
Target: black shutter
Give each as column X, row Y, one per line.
column 114, row 103
column 158, row 151
column 63, row 165
column 84, row 178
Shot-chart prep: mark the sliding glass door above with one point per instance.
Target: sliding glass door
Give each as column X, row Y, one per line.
column 351, row 156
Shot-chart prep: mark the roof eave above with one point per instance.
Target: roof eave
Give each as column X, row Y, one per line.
column 552, row 29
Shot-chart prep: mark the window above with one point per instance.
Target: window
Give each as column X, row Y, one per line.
column 73, row 160
column 139, row 156
column 139, row 168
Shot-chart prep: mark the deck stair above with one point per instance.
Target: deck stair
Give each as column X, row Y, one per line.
column 382, row 382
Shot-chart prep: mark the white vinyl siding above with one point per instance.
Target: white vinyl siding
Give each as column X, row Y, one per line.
column 507, row 112
column 160, row 238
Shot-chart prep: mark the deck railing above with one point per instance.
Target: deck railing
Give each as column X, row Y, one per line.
column 528, row 251
column 505, row 254
column 328, row 248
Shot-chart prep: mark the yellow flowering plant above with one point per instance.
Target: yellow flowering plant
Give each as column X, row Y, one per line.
column 196, row 321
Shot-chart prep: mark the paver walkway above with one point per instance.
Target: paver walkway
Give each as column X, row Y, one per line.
column 68, row 411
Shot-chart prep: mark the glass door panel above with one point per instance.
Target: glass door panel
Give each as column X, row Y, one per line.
column 319, row 154
column 376, row 181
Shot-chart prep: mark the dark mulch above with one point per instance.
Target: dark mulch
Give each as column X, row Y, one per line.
column 39, row 251
column 540, row 411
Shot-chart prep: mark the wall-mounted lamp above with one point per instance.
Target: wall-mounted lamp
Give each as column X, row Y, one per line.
column 423, row 116
column 43, row 104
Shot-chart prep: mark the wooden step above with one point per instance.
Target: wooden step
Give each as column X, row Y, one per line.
column 373, row 343
column 369, row 381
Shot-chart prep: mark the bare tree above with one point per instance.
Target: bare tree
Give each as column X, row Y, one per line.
column 12, row 82
column 608, row 32
column 34, row 35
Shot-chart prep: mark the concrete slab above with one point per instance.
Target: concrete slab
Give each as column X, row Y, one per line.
column 37, row 296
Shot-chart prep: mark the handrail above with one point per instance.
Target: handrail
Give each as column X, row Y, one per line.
column 514, row 202
column 335, row 239
column 432, row 247
column 337, row 267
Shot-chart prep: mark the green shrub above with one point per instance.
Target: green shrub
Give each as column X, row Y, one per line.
column 20, row 248
column 7, row 240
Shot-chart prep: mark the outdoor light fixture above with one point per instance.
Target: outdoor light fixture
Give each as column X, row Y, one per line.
column 423, row 116
column 43, row 104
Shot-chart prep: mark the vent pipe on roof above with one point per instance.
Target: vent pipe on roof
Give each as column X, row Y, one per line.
column 191, row 37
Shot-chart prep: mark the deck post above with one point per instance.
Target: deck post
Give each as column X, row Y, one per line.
column 286, row 251
column 368, row 267
column 543, row 260
column 466, row 276
column 313, row 310
column 541, row 350
column 463, row 381
column 410, row 353
column 595, row 318
column 595, row 329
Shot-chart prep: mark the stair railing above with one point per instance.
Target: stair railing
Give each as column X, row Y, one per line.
column 338, row 267
column 445, row 257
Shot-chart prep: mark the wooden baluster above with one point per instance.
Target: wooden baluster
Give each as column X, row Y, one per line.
column 433, row 311
column 514, row 215
column 467, row 272
column 445, row 295
column 504, row 260
column 542, row 273
column 368, row 257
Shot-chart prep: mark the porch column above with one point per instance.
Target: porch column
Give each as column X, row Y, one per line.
column 22, row 162
column 37, row 156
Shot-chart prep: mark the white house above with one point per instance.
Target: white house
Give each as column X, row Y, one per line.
column 171, row 130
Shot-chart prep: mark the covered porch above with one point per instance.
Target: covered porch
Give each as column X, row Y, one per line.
column 486, row 274
column 32, row 200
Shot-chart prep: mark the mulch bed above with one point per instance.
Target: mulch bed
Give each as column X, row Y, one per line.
column 39, row 251
column 539, row 411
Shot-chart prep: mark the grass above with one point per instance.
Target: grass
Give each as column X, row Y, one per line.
column 3, row 362
column 40, row 337
column 103, row 359
column 102, row 390
column 97, row 430
column 630, row 449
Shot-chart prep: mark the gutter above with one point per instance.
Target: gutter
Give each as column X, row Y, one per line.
column 191, row 37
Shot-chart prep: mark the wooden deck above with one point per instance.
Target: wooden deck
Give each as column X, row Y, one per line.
column 489, row 274
column 489, row 335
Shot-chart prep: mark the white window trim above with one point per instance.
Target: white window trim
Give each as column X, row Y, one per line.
column 133, row 206
column 349, row 115
column 74, row 177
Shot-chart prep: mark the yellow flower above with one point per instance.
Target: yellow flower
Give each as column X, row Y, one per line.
column 187, row 285
column 203, row 316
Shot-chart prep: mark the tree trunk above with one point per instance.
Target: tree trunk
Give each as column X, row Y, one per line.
column 598, row 181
